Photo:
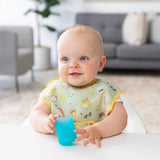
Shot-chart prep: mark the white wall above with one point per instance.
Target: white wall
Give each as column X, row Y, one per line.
column 70, row 7
column 12, row 13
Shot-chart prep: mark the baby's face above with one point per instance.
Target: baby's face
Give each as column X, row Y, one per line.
column 79, row 59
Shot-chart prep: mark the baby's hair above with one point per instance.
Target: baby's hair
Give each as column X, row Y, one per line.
column 84, row 28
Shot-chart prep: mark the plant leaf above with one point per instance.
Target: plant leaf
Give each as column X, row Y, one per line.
column 52, row 29
column 54, row 13
column 39, row 1
column 45, row 13
column 28, row 11
column 53, row 2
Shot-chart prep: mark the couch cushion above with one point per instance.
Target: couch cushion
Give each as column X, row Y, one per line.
column 120, row 63
column 109, row 50
column 135, row 29
column 108, row 25
column 112, row 34
column 155, row 30
column 146, row 51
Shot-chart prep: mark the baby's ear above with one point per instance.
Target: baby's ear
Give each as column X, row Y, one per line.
column 102, row 63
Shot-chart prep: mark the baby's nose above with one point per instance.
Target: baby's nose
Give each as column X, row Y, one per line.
column 74, row 65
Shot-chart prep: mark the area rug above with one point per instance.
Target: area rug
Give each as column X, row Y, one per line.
column 141, row 90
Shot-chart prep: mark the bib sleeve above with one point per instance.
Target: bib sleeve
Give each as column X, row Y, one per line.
column 112, row 94
column 48, row 94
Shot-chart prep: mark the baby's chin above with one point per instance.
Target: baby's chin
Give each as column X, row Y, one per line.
column 80, row 84
column 77, row 84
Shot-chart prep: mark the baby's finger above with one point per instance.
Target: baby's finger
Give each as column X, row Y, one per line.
column 86, row 142
column 52, row 118
column 83, row 136
column 48, row 129
column 80, row 131
column 57, row 116
column 97, row 142
column 50, row 123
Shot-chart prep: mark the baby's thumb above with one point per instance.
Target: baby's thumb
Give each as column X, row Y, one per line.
column 57, row 116
column 54, row 117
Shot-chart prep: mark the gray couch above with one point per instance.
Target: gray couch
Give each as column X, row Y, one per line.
column 120, row 55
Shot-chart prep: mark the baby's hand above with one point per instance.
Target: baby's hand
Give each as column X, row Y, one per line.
column 49, row 123
column 91, row 134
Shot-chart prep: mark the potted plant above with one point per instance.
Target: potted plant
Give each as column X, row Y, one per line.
column 43, row 10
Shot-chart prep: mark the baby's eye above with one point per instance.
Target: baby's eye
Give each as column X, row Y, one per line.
column 65, row 59
column 83, row 58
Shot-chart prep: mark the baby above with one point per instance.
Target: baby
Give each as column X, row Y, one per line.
column 94, row 104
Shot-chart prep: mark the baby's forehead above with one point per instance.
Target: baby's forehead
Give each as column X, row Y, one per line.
column 81, row 33
column 82, row 30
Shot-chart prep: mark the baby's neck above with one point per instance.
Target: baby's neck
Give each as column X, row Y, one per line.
column 88, row 84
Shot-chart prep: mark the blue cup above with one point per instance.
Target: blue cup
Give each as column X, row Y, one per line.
column 65, row 130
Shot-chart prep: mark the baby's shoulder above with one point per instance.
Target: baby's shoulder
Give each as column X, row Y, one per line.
column 53, row 82
column 101, row 82
column 50, row 88
column 107, row 85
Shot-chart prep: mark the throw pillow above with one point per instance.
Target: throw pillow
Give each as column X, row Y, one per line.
column 135, row 29
column 155, row 30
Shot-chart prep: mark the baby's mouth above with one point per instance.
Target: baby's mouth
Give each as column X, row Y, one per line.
column 75, row 74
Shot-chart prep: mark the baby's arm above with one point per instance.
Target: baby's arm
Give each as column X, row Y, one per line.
column 115, row 123
column 41, row 118
column 112, row 125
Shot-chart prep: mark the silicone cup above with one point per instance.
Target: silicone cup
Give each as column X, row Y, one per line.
column 65, row 130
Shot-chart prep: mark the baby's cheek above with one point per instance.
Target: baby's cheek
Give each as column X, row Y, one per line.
column 86, row 69
column 91, row 71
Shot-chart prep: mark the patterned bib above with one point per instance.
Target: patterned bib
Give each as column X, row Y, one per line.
column 87, row 105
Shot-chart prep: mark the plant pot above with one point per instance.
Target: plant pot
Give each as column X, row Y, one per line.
column 41, row 58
